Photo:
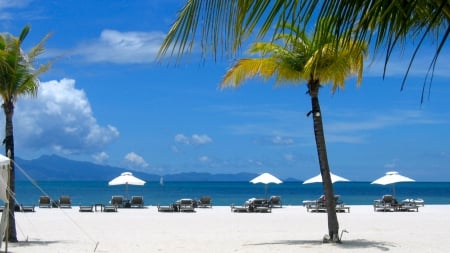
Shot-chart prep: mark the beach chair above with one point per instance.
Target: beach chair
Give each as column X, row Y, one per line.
column 116, row 201
column 27, row 208
column 137, row 201
column 386, row 203
column 65, row 202
column 45, row 201
column 86, row 208
column 275, row 201
column 407, row 206
column 205, row 201
column 239, row 209
column 318, row 205
column 110, row 209
column 169, row 208
column 185, row 205
column 340, row 206
column 260, row 206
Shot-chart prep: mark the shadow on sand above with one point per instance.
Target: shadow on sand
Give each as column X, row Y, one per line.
column 30, row 243
column 346, row 244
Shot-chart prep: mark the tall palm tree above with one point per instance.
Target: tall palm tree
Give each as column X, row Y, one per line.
column 18, row 77
column 222, row 26
column 294, row 57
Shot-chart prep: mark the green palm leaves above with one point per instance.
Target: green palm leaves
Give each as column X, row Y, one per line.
column 294, row 57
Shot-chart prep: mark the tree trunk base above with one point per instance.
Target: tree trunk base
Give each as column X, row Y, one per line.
column 326, row 239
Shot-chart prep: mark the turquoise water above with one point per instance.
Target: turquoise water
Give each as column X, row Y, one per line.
column 226, row 193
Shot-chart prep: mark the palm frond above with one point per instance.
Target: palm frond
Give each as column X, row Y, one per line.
column 248, row 68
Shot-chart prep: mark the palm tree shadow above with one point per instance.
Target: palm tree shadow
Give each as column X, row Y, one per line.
column 30, row 243
column 347, row 244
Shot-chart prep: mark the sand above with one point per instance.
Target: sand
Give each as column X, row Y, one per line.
column 287, row 229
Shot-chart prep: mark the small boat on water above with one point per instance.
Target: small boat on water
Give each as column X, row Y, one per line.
column 161, row 181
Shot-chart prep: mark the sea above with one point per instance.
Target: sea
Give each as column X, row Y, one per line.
column 228, row 193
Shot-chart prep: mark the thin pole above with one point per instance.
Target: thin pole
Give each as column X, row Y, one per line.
column 265, row 191
column 9, row 207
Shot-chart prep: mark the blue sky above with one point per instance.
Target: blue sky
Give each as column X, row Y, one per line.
column 107, row 101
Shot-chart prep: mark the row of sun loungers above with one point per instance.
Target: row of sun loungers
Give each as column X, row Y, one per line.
column 258, row 205
column 386, row 203
column 135, row 201
column 389, row 203
column 64, row 202
column 320, row 205
column 187, row 205
column 114, row 203
column 182, row 205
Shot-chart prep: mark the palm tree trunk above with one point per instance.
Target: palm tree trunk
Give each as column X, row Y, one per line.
column 8, row 108
column 333, row 225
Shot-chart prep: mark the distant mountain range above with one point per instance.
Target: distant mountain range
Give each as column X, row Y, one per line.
column 56, row 168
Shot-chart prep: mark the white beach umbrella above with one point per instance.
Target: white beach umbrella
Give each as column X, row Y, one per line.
column 266, row 178
column 392, row 177
column 126, row 178
column 318, row 179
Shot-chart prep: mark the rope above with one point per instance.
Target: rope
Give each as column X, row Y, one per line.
column 46, row 194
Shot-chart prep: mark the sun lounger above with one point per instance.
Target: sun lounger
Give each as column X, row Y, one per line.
column 275, row 201
column 169, row 208
column 253, row 205
column 260, row 205
column 86, row 208
column 185, row 205
column 45, row 201
column 320, row 205
column 65, row 202
column 385, row 204
column 27, row 208
column 108, row 209
column 408, row 206
column 419, row 202
column 205, row 201
column 239, row 209
column 341, row 208
column 137, row 201
column 116, row 201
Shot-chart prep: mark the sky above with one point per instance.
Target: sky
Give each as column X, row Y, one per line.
column 107, row 100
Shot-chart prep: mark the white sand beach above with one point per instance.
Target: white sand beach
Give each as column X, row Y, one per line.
column 287, row 229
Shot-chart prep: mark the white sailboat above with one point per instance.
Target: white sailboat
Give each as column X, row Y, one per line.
column 161, row 180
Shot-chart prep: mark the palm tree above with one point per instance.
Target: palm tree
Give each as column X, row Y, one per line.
column 222, row 26
column 317, row 61
column 18, row 77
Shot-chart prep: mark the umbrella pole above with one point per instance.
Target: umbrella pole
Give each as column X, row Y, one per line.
column 265, row 191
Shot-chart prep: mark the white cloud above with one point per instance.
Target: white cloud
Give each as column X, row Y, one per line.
column 5, row 4
column 204, row 159
column 134, row 159
column 259, row 163
column 278, row 140
column 201, row 139
column 399, row 62
column 60, row 119
column 195, row 139
column 181, row 138
column 122, row 47
column 101, row 157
